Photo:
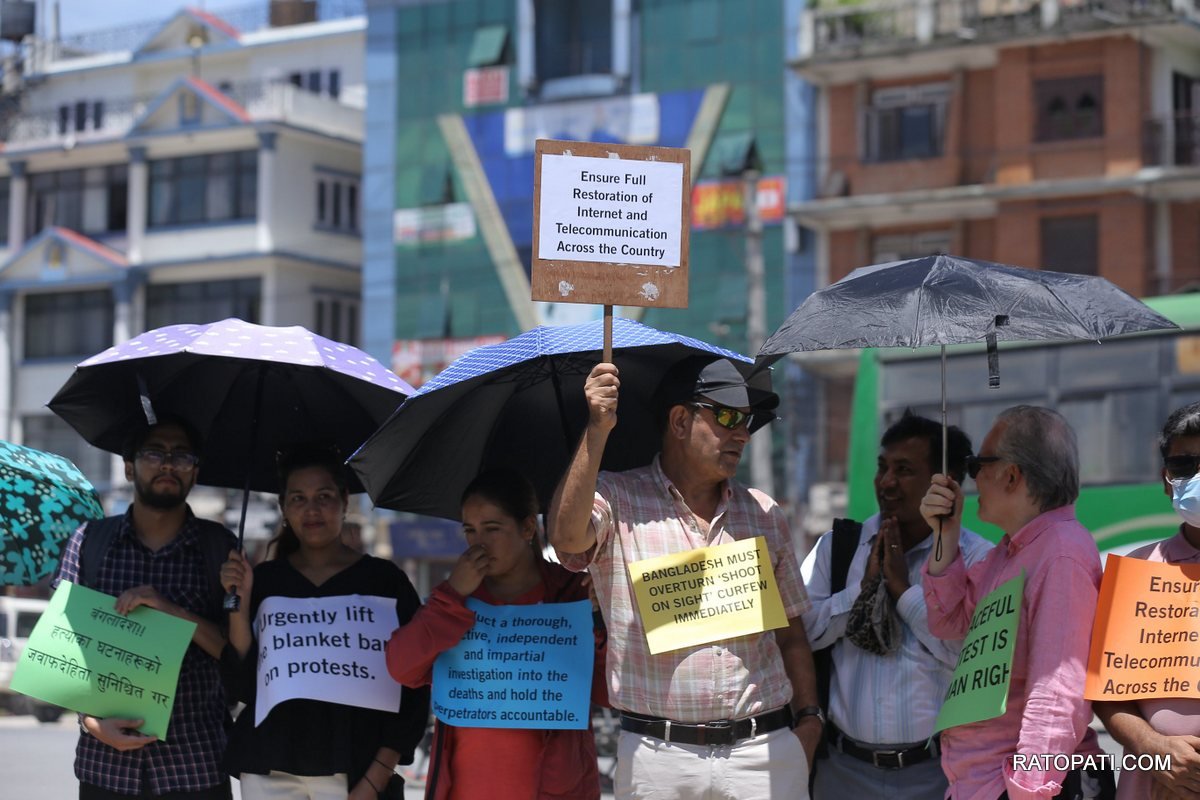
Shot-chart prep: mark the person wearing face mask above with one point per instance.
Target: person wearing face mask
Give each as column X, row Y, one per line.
column 502, row 565
column 1169, row 726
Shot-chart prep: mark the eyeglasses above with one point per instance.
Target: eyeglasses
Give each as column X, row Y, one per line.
column 184, row 462
column 732, row 418
column 1181, row 468
column 975, row 463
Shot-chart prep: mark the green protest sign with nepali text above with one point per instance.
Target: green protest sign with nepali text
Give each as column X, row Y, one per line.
column 979, row 688
column 84, row 656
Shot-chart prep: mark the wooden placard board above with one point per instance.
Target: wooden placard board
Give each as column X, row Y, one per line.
column 610, row 224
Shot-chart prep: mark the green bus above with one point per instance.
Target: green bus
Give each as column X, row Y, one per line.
column 1116, row 395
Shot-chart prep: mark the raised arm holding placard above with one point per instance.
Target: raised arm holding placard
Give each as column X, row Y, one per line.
column 685, row 530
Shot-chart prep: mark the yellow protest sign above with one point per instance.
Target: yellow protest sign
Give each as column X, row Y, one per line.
column 708, row 594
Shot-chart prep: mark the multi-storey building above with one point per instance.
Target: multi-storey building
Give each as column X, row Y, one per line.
column 460, row 90
column 1055, row 134
column 186, row 170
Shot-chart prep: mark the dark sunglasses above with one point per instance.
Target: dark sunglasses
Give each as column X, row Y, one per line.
column 1181, row 467
column 975, row 463
column 732, row 418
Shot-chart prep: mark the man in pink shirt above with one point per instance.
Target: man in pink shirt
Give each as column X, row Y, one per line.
column 1027, row 473
column 1167, row 726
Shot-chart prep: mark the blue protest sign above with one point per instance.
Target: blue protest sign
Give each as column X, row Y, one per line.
column 518, row 667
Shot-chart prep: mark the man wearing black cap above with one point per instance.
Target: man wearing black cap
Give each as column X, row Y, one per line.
column 732, row 718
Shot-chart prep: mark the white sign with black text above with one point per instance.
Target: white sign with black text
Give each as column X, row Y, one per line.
column 610, row 210
column 325, row 648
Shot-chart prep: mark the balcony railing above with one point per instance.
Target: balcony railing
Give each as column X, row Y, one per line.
column 1172, row 141
column 264, row 101
column 879, row 27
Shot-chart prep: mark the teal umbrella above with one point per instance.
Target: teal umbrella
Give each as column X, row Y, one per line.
column 43, row 499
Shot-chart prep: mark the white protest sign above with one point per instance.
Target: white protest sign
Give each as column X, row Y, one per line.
column 610, row 224
column 325, row 648
column 611, row 210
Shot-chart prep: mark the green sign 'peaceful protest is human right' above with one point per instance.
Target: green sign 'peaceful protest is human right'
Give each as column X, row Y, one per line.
column 979, row 687
column 84, row 656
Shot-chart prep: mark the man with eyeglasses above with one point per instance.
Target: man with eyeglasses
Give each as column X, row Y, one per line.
column 884, row 697
column 1027, row 474
column 1169, row 727
column 734, row 718
column 158, row 554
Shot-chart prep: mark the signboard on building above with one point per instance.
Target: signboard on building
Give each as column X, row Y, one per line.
column 485, row 86
column 452, row 222
column 720, row 204
column 610, row 224
column 418, row 360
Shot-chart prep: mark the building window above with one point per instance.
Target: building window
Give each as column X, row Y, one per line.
column 80, row 116
column 48, row 432
column 93, row 200
column 68, row 324
column 573, row 38
column 4, row 190
column 902, row 246
column 335, row 83
column 336, row 319
column 906, row 123
column 337, row 203
column 211, row 188
column 203, row 302
column 1069, row 108
column 1071, row 244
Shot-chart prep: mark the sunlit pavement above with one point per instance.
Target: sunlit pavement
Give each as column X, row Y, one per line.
column 38, row 760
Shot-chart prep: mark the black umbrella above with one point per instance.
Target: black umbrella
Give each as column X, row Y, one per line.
column 519, row 404
column 941, row 300
column 247, row 389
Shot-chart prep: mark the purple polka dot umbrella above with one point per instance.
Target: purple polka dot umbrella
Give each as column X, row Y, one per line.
column 221, row 378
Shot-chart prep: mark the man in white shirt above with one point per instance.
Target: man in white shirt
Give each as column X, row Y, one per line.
column 882, row 707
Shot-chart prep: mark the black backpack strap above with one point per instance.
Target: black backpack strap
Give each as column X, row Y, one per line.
column 846, row 533
column 98, row 536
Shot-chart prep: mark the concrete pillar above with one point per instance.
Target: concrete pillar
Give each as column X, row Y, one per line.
column 124, row 321
column 18, row 199
column 137, row 204
column 266, row 180
column 1163, row 255
column 7, row 389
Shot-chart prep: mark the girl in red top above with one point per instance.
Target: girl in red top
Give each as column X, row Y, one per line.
column 502, row 565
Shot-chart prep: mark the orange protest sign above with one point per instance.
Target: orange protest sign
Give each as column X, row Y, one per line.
column 1144, row 640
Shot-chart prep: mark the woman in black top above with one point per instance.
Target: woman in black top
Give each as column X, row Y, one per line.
column 311, row 749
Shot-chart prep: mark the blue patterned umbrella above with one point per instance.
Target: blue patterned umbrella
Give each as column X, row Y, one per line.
column 248, row 389
column 43, row 498
column 518, row 404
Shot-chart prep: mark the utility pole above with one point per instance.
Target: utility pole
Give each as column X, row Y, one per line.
column 761, row 474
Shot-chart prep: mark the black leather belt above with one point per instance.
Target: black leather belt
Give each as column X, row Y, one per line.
column 883, row 757
column 720, row 732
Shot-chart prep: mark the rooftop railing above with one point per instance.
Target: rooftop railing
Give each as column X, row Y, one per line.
column 264, row 101
column 878, row 27
column 244, row 18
